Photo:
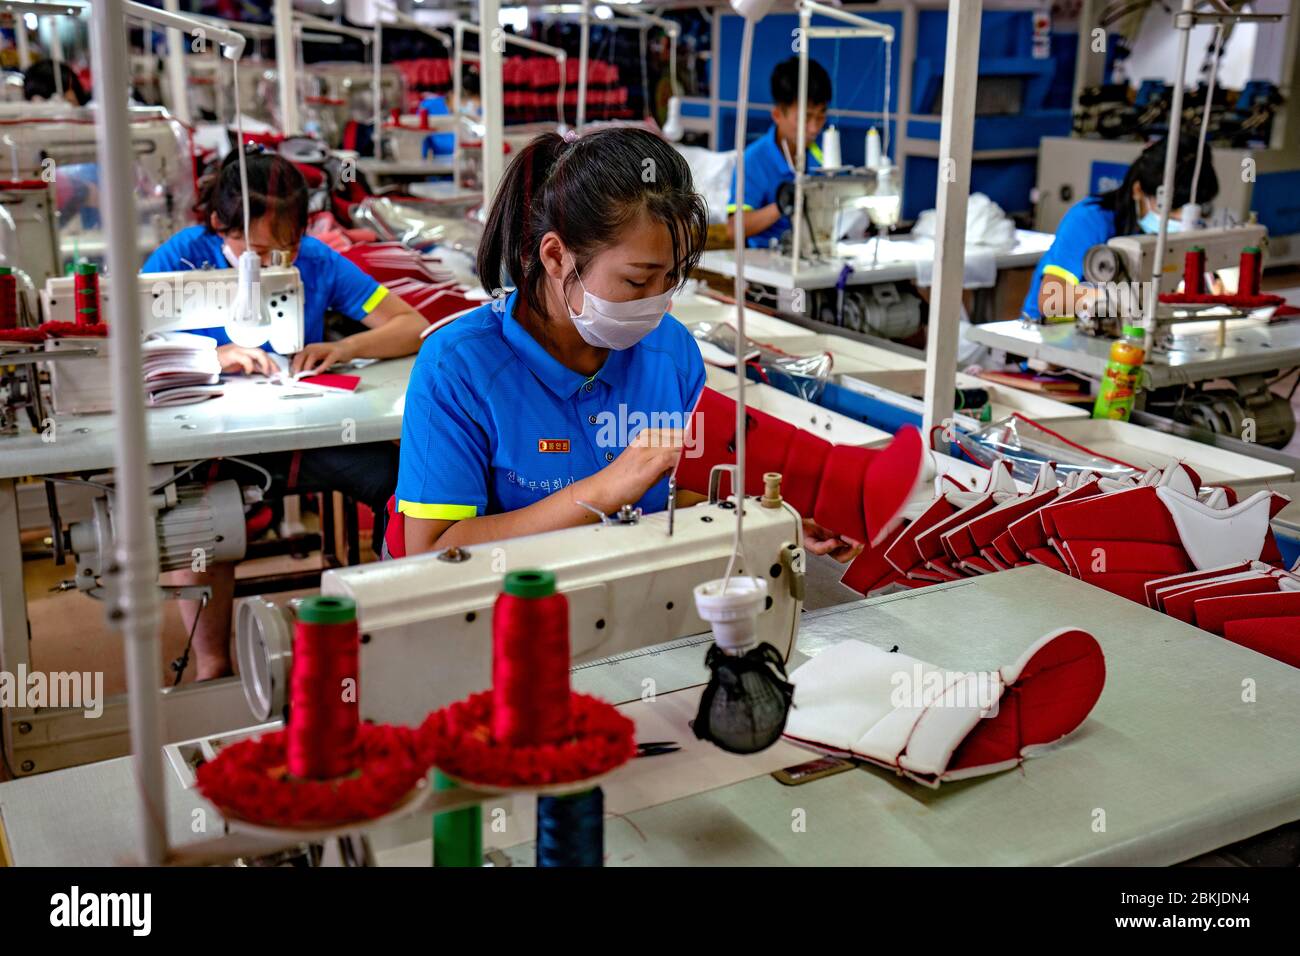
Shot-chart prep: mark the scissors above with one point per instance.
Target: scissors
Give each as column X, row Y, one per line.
column 654, row 748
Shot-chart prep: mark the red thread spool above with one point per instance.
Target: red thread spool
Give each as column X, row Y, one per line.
column 1194, row 271
column 1252, row 264
column 8, row 298
column 530, row 661
column 424, row 119
column 324, row 714
column 85, row 297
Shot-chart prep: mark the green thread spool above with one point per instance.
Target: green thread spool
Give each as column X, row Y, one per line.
column 458, row 835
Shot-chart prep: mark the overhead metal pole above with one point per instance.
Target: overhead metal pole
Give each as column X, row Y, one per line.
column 176, row 77
column 133, row 574
column 956, row 138
column 491, row 88
column 286, row 66
column 584, row 56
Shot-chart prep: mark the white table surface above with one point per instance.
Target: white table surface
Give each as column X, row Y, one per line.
column 1176, row 757
column 250, row 418
column 897, row 261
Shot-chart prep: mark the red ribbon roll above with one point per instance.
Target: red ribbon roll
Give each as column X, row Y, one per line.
column 1251, row 262
column 1194, row 271
column 324, row 714
column 530, row 664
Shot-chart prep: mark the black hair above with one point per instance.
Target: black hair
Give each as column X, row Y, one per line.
column 1148, row 171
column 469, row 81
column 275, row 188
column 785, row 83
column 39, row 81
column 587, row 191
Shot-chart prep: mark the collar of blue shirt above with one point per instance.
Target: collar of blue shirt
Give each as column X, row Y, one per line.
column 563, row 381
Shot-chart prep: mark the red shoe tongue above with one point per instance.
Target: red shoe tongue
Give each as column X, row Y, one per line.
column 891, row 477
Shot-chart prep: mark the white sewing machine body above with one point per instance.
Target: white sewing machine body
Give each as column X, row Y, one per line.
column 197, row 299
column 426, row 620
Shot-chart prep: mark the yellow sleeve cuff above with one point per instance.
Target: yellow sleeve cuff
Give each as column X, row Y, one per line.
column 817, row 152
column 1060, row 273
column 437, row 512
column 375, row 298
column 731, row 207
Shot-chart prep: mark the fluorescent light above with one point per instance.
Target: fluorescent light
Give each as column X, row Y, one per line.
column 604, row 13
column 30, row 20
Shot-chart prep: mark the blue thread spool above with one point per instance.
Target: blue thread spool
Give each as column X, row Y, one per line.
column 571, row 829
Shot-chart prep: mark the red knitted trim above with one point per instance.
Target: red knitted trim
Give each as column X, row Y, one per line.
column 458, row 739
column 249, row 781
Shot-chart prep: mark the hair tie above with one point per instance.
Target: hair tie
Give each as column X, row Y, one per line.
column 570, row 135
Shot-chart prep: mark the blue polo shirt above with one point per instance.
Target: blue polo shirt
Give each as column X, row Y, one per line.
column 330, row 283
column 493, row 422
column 765, row 170
column 1085, row 225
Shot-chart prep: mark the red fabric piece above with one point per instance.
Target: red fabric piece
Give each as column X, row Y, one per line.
column 929, row 545
column 1213, row 614
column 1055, row 692
column 395, row 531
column 1155, row 585
column 970, row 538
column 902, row 552
column 803, row 470
column 1277, row 637
column 712, row 429
column 346, row 383
column 1047, row 557
column 870, row 572
column 839, row 499
column 1182, row 605
column 892, row 474
column 1154, row 559
column 1133, row 515
column 1030, row 532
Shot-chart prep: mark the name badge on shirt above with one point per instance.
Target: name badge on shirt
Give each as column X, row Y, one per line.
column 559, row 445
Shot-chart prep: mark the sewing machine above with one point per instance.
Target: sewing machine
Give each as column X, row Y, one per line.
column 197, row 299
column 46, row 140
column 840, row 202
column 1129, row 261
column 427, row 619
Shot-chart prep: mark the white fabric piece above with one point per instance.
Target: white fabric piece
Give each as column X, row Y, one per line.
column 1177, row 478
column 1215, row 537
column 986, row 223
column 897, row 711
column 712, row 173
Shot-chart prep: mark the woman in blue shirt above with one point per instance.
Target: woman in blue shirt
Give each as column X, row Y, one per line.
column 277, row 222
column 514, row 411
column 1055, row 291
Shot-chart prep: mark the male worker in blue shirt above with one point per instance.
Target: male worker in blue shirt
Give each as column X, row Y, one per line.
column 768, row 160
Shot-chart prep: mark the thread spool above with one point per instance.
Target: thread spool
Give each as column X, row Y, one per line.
column 85, row 294
column 8, row 298
column 424, row 118
column 1194, row 271
column 324, row 713
column 530, row 661
column 1252, row 263
column 873, row 148
column 457, row 836
column 831, row 148
column 571, row 829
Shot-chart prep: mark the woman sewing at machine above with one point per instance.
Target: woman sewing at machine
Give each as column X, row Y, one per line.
column 1056, row 290
column 516, row 418
column 278, row 221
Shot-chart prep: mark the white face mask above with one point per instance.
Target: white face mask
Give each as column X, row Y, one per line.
column 230, row 256
column 617, row 325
